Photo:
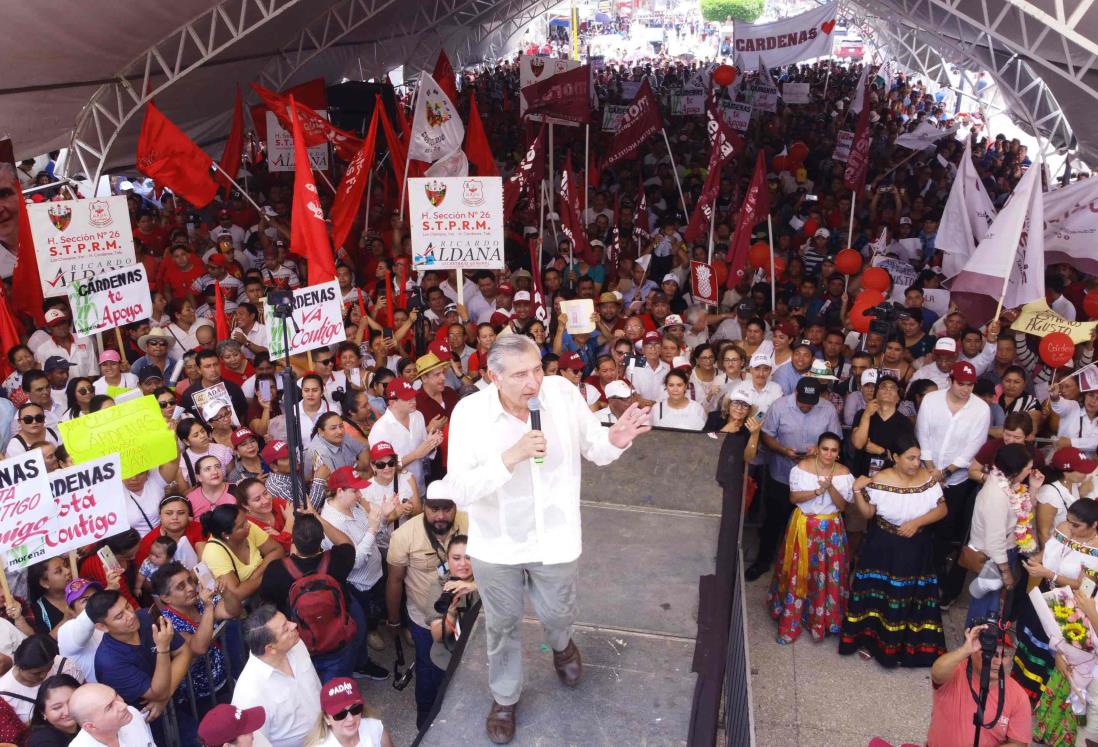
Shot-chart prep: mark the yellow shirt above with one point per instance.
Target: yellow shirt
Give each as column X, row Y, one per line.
column 410, row 547
column 222, row 561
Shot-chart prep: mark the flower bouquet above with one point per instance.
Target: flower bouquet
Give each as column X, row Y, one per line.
column 1070, row 634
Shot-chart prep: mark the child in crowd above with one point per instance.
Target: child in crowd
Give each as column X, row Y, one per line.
column 161, row 553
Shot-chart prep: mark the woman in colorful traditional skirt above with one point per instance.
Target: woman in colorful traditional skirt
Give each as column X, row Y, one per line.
column 1070, row 555
column 809, row 584
column 892, row 614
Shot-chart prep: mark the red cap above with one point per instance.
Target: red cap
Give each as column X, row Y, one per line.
column 381, row 449
column 275, row 450
column 1070, row 459
column 441, row 350
column 218, row 259
column 240, row 435
column 339, row 694
column 225, row 723
column 398, row 388
column 571, row 361
column 506, row 289
column 963, row 372
column 786, row 328
column 499, row 318
column 346, row 479
column 651, row 337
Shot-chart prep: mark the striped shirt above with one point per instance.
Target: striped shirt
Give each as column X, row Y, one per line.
column 367, row 568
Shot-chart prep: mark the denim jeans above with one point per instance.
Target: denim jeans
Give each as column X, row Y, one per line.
column 428, row 676
column 338, row 663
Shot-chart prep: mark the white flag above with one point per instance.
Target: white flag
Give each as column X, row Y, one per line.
column 925, row 134
column 1010, row 253
column 967, row 214
column 1071, row 223
column 859, row 91
column 437, row 129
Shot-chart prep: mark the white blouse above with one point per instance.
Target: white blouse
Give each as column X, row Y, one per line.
column 800, row 479
column 708, row 394
column 689, row 418
column 897, row 505
column 1068, row 558
column 1059, row 496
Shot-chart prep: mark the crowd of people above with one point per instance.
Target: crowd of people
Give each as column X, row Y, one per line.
column 249, row 598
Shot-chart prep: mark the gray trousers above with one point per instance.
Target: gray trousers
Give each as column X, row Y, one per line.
column 552, row 590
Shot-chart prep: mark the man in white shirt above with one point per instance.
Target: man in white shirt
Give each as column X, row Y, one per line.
column 951, row 427
column 76, row 350
column 1078, row 424
column 944, row 356
column 402, row 426
column 104, row 718
column 647, row 380
column 527, row 480
column 280, row 677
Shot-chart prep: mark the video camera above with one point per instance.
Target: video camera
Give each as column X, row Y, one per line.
column 886, row 315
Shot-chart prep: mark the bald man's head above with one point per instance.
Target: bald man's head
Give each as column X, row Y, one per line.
column 98, row 709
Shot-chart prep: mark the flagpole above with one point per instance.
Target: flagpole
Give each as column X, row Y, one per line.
column 408, row 155
column 587, row 170
column 712, row 222
column 850, row 230
column 901, row 163
column 773, row 274
column 541, row 220
column 675, row 173
column 326, row 180
column 369, row 189
column 827, row 80
column 248, row 197
column 552, row 183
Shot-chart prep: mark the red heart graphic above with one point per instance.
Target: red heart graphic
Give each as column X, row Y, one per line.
column 826, row 26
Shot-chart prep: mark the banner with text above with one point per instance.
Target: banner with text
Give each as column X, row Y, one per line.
column 135, row 430
column 534, row 69
column 795, row 93
column 25, row 505
column 844, row 139
column 110, row 300
column 786, row 41
column 688, row 101
column 737, row 115
column 88, row 504
column 611, row 116
column 79, row 240
column 317, row 321
column 764, row 98
column 456, row 222
column 280, row 147
column 1038, row 319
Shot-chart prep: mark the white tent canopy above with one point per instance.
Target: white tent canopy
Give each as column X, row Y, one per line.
column 86, row 80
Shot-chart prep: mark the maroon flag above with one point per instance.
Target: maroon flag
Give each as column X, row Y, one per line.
column 570, row 221
column 316, row 129
column 707, row 202
column 527, row 176
column 857, row 163
column 349, row 194
column 641, row 121
column 755, row 208
column 703, row 283
column 564, row 96
column 720, row 132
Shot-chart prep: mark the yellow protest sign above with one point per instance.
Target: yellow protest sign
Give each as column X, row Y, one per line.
column 135, row 430
column 1038, row 319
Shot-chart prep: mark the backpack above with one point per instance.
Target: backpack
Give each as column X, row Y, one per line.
column 318, row 606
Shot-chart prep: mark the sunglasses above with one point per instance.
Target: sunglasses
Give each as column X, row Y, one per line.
column 83, row 391
column 28, row 419
column 166, row 403
column 354, row 710
column 386, row 464
column 325, row 361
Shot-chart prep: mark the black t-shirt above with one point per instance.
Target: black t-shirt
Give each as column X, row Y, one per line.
column 883, row 433
column 277, row 581
column 48, row 735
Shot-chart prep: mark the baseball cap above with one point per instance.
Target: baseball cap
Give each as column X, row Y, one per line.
column 745, row 308
column 672, row 320
column 345, row 478
column 339, row 694
column 499, row 318
column 651, row 337
column 55, row 363
column 670, row 278
column 1070, row 459
column 608, row 297
column 506, row 289
column 218, row 259
column 148, row 373
column 225, row 723
column 786, row 328
column 451, row 308
column 761, row 359
column 440, row 350
column 963, row 372
column 75, row 589
column 869, row 376
column 212, row 408
column 808, row 391
column 521, row 273
column 439, row 494
column 680, row 362
column 222, row 213
column 821, row 233
column 381, row 449
column 400, row 389
column 53, row 316
column 275, row 450
column 742, row 393
column 618, row 389
column 571, row 361
column 945, row 346
column 110, row 355
column 905, row 221
column 802, row 343
column 522, row 297
column 240, row 435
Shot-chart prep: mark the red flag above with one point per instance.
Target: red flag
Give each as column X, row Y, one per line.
column 308, row 234
column 398, row 154
column 477, row 149
column 234, row 146
column 316, row 129
column 9, row 333
column 167, row 155
column 703, row 283
column 564, row 96
column 857, row 163
column 349, row 194
column 721, row 132
column 444, row 76
column 641, row 121
column 26, row 286
column 704, row 210
column 571, row 224
column 755, row 208
column 527, row 176
column 221, row 321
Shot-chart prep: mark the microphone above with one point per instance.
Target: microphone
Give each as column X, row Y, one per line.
column 535, row 421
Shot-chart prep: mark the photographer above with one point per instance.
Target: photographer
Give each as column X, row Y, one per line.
column 459, row 596
column 956, row 679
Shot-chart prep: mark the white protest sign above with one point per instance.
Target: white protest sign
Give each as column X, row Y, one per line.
column 456, row 222
column 280, row 147
column 218, row 394
column 317, row 321
column 765, row 98
column 901, row 272
column 80, row 239
column 579, row 314
column 843, row 140
column 611, row 116
column 786, row 40
column 25, row 507
column 629, row 89
column 688, row 101
column 737, row 115
column 795, row 93
column 909, row 248
column 110, row 300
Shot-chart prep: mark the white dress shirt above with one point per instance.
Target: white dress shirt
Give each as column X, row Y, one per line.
column 134, row 734
column 81, row 354
column 531, row 513
column 404, row 441
column 292, row 703
column 931, row 372
column 1074, row 424
column 948, row 438
column 648, row 381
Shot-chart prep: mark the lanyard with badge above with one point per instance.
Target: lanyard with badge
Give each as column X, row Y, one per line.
column 443, row 567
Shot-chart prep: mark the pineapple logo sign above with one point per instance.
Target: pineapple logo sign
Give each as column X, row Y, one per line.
column 464, row 231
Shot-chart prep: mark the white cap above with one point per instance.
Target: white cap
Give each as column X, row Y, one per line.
column 945, row 345
column 618, row 388
column 869, row 376
column 212, row 408
column 521, row 296
column 761, row 359
column 670, row 278
column 672, row 320
column 439, row 491
column 821, row 233
column 742, row 393
column 905, row 221
column 553, row 216
column 680, row 361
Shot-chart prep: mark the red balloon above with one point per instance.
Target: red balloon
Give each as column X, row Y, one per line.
column 1090, row 305
column 779, row 267
column 848, row 261
column 724, row 75
column 798, row 151
column 865, row 301
column 876, row 279
column 1056, row 349
column 810, row 227
column 759, row 255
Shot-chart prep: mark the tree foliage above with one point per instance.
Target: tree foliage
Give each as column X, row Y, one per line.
column 736, row 10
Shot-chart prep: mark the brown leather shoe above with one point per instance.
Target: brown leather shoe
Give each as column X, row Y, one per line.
column 501, row 723
column 568, row 664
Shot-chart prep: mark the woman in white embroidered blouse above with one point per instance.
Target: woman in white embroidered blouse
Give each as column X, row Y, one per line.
column 1067, row 470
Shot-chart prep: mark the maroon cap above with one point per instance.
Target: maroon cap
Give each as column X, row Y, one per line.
column 441, row 350
column 346, row 479
column 225, row 723
column 339, row 694
column 651, row 337
column 963, row 372
column 571, row 361
column 398, row 388
column 499, row 318
column 506, row 289
column 240, row 435
column 787, row 329
column 381, row 449
column 1070, row 459
column 275, row 450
